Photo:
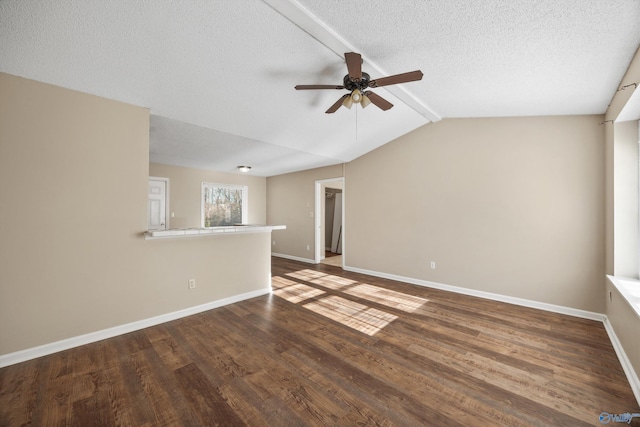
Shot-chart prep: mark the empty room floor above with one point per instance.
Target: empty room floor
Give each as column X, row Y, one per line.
column 329, row 347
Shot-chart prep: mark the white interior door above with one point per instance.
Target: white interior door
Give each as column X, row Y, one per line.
column 157, row 205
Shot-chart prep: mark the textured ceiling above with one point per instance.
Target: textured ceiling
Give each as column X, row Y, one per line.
column 218, row 76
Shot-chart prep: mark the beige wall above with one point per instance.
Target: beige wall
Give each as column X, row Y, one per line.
column 185, row 185
column 73, row 183
column 291, row 202
column 513, row 206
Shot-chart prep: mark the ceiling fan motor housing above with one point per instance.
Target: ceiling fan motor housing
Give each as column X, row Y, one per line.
column 352, row 84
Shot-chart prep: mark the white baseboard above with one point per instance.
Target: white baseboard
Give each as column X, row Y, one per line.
column 294, row 258
column 487, row 295
column 634, row 382
column 54, row 347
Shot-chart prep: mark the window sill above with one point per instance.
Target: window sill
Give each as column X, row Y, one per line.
column 199, row 232
column 629, row 289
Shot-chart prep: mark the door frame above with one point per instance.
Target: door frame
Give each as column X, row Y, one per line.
column 167, row 210
column 319, row 219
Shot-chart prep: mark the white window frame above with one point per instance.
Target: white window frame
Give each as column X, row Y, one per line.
column 245, row 200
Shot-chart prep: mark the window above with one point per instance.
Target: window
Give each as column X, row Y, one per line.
column 223, row 204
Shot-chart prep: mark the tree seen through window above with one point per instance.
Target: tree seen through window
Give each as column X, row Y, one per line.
column 222, row 205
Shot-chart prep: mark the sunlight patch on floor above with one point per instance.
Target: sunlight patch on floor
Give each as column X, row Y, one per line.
column 278, row 282
column 356, row 316
column 297, row 293
column 360, row 317
column 398, row 300
column 307, row 275
column 333, row 282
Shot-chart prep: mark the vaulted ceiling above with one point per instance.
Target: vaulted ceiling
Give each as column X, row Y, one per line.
column 218, row 75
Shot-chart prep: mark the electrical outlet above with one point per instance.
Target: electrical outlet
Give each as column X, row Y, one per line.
column 433, row 265
column 192, row 283
column 308, row 248
column 274, row 243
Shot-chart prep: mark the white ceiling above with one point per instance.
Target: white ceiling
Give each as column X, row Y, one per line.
column 218, row 75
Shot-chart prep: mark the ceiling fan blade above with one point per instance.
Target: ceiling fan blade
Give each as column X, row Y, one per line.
column 337, row 105
column 379, row 101
column 411, row 76
column 354, row 65
column 307, row 87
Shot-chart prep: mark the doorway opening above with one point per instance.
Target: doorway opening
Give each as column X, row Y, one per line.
column 329, row 222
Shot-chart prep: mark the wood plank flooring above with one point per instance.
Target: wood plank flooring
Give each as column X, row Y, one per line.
column 332, row 348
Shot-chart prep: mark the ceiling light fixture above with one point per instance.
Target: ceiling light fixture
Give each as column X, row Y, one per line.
column 244, row 169
column 356, row 97
column 348, row 102
column 365, row 101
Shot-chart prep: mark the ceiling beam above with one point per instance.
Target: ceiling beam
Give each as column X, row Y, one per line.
column 305, row 20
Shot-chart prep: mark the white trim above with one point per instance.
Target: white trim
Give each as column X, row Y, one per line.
column 344, row 215
column 317, row 223
column 319, row 217
column 486, row 295
column 294, row 258
column 632, row 377
column 54, row 347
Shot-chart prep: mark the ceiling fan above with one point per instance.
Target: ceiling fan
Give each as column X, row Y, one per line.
column 357, row 81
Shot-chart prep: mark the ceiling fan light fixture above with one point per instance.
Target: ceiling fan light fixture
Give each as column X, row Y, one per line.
column 365, row 101
column 348, row 102
column 244, row 169
column 356, row 96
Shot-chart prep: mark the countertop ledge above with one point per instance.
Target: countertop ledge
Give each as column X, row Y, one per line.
column 199, row 232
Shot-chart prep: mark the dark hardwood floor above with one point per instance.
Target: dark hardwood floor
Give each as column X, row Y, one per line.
column 332, row 348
